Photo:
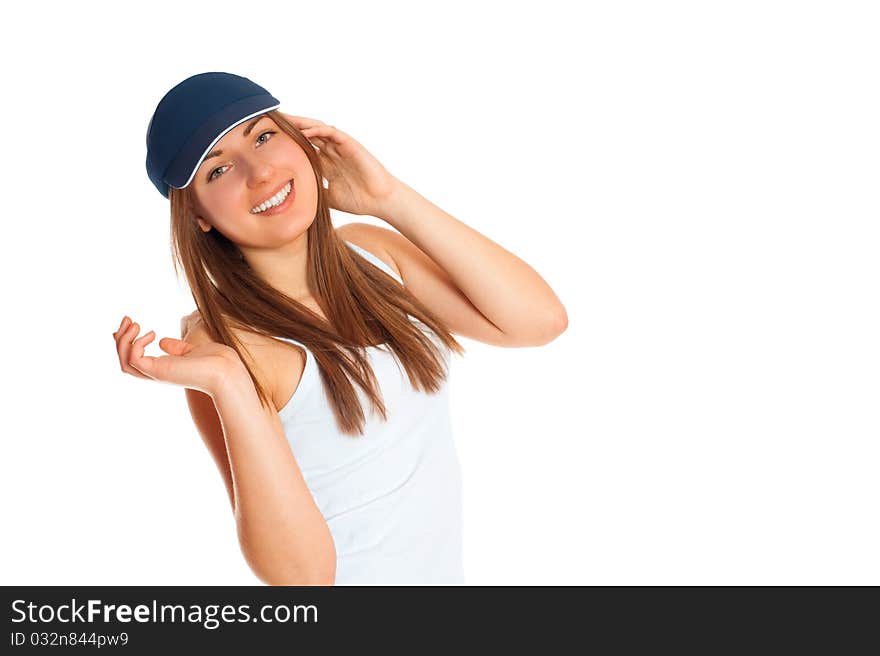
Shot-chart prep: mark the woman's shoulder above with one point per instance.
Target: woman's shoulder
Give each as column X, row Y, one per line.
column 193, row 330
column 277, row 365
column 372, row 239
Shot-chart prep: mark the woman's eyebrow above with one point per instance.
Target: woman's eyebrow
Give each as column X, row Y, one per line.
column 247, row 131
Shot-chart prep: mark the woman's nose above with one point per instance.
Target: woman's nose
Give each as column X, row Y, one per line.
column 260, row 173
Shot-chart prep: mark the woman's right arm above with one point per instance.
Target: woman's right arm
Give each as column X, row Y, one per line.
column 283, row 535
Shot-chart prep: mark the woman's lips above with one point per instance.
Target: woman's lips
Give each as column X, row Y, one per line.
column 278, row 209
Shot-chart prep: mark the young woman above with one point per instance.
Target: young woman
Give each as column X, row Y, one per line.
column 316, row 363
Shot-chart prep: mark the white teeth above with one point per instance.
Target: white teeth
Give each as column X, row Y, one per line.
column 276, row 200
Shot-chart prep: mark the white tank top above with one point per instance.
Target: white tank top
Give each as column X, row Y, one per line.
column 392, row 497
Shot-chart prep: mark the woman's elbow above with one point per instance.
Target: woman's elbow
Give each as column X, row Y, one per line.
column 544, row 327
column 300, row 576
column 554, row 324
column 303, row 579
column 316, row 570
column 560, row 321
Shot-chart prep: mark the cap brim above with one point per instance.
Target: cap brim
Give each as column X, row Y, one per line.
column 182, row 170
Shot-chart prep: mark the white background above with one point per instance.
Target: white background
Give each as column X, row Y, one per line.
column 697, row 182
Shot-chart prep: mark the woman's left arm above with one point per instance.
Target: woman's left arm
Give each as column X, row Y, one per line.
column 514, row 304
column 506, row 290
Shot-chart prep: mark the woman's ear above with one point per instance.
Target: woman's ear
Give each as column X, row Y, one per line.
column 194, row 211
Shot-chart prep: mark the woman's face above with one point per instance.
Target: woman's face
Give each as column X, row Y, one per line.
column 248, row 166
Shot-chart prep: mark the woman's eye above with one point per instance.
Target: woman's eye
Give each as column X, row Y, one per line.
column 212, row 176
column 269, row 132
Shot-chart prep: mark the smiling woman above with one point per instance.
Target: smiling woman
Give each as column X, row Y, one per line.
column 247, row 172
column 316, row 367
column 270, row 260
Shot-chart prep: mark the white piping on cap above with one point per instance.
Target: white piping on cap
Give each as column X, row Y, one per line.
column 219, row 137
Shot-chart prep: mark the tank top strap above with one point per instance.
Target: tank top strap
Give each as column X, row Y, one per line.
column 307, row 380
column 375, row 260
column 293, row 341
column 369, row 256
column 310, row 370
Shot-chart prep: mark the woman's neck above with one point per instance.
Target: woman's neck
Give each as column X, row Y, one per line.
column 286, row 268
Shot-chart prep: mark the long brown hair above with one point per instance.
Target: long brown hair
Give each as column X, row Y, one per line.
column 364, row 306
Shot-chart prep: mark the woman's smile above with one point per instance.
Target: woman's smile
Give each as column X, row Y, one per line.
column 286, row 194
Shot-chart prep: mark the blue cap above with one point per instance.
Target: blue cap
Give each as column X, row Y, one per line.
column 192, row 117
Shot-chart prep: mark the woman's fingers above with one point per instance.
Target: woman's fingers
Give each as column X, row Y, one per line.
column 325, row 146
column 179, row 367
column 141, row 342
column 124, row 340
column 327, row 132
column 136, row 357
column 174, row 346
column 124, row 348
column 122, row 326
column 319, row 143
column 302, row 121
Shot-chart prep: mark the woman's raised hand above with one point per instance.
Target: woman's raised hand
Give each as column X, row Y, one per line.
column 204, row 367
column 357, row 181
